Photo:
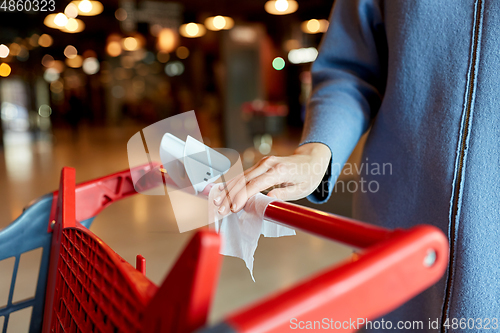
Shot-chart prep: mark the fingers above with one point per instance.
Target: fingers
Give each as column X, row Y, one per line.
column 236, row 187
column 225, row 198
column 264, row 164
column 238, row 195
column 287, row 193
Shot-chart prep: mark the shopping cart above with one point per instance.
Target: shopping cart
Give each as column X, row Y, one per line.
column 84, row 286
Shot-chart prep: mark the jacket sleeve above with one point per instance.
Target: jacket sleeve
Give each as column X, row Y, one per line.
column 349, row 78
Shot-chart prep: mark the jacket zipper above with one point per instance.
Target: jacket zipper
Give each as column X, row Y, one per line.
column 463, row 147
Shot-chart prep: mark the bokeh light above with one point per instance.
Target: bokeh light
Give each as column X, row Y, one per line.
column 303, row 55
column 219, row 22
column 163, row 57
column 14, row 49
column 90, row 66
column 70, row 52
column 56, row 87
column 216, row 23
column 4, row 51
column 47, row 60
column 278, row 63
column 174, row 68
column 33, row 40
column 167, row 40
column 72, row 24
column 45, row 40
column 71, row 10
column 88, row 8
column 51, row 75
column 182, row 52
column 85, row 6
column 75, row 62
column 114, row 49
column 5, row 70
column 121, row 14
column 58, row 65
column 44, row 110
column 89, row 54
column 60, row 20
column 192, row 30
column 130, row 44
column 49, row 21
column 281, row 7
column 314, row 26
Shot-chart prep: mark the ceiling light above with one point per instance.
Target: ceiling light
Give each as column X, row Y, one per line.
column 88, row 7
column 49, row 22
column 73, row 26
column 216, row 23
column 281, row 7
column 85, row 6
column 314, row 26
column 60, row 20
column 192, row 30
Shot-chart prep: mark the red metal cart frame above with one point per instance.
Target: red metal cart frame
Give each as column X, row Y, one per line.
column 92, row 289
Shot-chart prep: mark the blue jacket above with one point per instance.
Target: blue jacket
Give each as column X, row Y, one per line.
column 425, row 75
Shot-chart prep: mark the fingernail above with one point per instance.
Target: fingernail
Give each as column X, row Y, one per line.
column 217, row 200
column 233, row 208
column 222, row 209
column 221, row 187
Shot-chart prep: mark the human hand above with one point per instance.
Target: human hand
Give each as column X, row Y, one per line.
column 295, row 177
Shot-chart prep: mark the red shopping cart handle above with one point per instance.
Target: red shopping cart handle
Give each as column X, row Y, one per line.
column 391, row 267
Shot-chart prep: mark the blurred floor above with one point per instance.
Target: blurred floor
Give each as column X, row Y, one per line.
column 140, row 224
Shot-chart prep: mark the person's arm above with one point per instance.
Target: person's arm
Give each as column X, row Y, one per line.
column 349, row 78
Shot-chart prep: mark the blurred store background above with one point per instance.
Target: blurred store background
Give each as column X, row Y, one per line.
column 243, row 66
column 78, row 81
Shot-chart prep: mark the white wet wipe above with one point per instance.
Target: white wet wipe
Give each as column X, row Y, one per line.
column 240, row 232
